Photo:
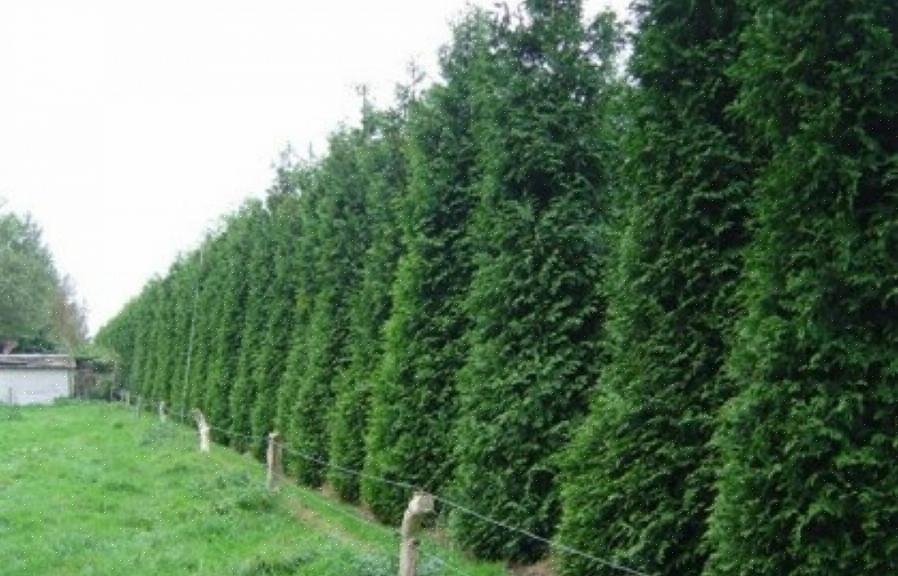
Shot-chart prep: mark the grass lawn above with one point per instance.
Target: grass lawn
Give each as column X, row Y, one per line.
column 90, row 489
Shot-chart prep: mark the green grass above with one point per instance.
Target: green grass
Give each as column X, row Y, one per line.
column 90, row 489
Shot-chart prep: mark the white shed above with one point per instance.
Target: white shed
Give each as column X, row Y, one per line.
column 35, row 378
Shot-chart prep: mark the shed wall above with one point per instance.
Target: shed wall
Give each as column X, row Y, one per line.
column 33, row 386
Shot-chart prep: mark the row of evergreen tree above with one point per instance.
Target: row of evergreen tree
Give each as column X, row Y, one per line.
column 651, row 316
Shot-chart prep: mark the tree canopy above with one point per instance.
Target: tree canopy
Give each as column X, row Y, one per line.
column 38, row 307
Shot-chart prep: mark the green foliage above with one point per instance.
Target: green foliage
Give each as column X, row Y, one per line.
column 163, row 342
column 37, row 307
column 184, row 296
column 808, row 482
column 136, row 331
column 413, row 397
column 203, row 314
column 227, row 327
column 382, row 167
column 148, row 339
column 340, row 237
column 307, row 286
column 258, row 279
column 307, row 432
column 27, row 279
column 283, row 204
column 534, row 303
column 638, row 479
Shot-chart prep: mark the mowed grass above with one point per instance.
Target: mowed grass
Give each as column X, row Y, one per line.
column 91, row 489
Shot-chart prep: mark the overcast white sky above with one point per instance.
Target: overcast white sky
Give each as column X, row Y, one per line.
column 128, row 128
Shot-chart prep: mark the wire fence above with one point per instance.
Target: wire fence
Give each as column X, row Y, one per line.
column 426, row 550
column 446, row 502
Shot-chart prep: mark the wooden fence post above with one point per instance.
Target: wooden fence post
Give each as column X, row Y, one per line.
column 126, row 397
column 273, row 458
column 420, row 505
column 139, row 402
column 203, row 428
column 162, row 415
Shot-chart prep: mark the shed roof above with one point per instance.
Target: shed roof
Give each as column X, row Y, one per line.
column 37, row 361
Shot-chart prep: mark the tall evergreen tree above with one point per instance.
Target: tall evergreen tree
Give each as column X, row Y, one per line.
column 117, row 336
column 638, row 479
column 228, row 315
column 141, row 316
column 153, row 334
column 809, row 483
column 307, row 286
column 283, row 204
column 163, row 342
column 257, row 276
column 340, row 240
column 413, row 394
column 203, row 309
column 383, row 177
column 534, row 303
column 184, row 290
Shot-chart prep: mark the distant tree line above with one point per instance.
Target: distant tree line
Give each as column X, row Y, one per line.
column 652, row 316
column 39, row 310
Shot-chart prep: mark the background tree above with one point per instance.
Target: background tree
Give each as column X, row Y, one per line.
column 69, row 316
column 30, row 287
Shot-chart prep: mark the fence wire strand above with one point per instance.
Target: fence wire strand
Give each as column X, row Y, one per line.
column 441, row 499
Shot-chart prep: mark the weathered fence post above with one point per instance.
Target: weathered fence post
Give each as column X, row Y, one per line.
column 163, row 417
column 138, row 405
column 126, row 397
column 273, row 457
column 203, row 428
column 420, row 505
